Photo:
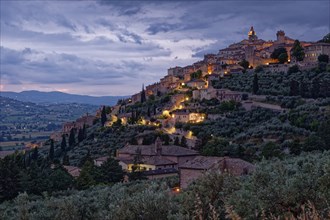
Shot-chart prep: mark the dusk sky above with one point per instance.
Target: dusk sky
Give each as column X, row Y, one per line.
column 112, row 47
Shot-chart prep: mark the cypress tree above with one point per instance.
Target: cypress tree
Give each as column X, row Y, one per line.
column 72, row 140
column 35, row 154
column 51, row 150
column 63, row 143
column 155, row 110
column 298, row 51
column 143, row 95
column 103, row 116
column 80, row 135
column 294, row 88
column 255, row 84
column 303, row 89
column 176, row 141
column 315, row 90
column 84, row 131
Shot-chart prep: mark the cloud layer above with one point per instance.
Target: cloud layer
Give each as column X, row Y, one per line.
column 112, row 47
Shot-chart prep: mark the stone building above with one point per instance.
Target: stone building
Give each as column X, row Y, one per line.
column 196, row 83
column 184, row 116
column 313, row 51
column 158, row 156
column 200, row 165
column 175, row 71
column 255, row 50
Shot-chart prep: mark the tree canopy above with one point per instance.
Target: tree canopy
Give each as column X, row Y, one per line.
column 280, row 54
column 298, row 51
column 245, row 64
column 326, row 39
column 323, row 58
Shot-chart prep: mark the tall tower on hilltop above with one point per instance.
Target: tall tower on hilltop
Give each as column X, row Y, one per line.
column 280, row 37
column 252, row 34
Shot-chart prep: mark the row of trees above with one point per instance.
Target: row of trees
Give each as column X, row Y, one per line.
column 41, row 175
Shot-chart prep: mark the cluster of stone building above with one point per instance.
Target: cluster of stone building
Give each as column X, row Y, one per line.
column 159, row 161
column 162, row 161
column 256, row 51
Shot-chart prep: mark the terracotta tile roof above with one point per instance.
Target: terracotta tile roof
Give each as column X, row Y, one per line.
column 124, row 160
column 158, row 160
column 234, row 166
column 150, row 150
column 73, row 171
column 102, row 159
column 202, row 162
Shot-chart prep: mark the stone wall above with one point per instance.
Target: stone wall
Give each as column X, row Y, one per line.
column 187, row 176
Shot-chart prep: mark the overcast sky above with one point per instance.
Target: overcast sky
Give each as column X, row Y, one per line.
column 112, row 47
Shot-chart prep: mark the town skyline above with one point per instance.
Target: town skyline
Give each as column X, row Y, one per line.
column 87, row 50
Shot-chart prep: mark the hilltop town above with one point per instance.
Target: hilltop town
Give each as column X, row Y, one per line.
column 243, row 132
column 194, row 94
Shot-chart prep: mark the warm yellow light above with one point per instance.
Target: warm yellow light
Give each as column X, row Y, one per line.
column 187, row 99
column 226, row 72
column 182, row 84
column 166, row 113
column 189, row 135
column 176, row 189
column 173, row 116
column 267, row 63
column 171, row 130
column 180, row 107
column 289, row 60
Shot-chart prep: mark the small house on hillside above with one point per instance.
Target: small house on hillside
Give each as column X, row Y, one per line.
column 195, row 168
column 196, row 83
column 156, row 160
column 157, row 152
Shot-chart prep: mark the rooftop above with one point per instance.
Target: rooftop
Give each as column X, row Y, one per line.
column 235, row 166
column 150, row 150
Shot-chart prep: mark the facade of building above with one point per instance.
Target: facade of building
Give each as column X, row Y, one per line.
column 175, row 71
column 184, row 116
column 313, row 51
column 196, row 83
column 200, row 165
column 157, row 155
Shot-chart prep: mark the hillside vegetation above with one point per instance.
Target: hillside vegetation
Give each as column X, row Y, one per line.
column 278, row 188
column 290, row 147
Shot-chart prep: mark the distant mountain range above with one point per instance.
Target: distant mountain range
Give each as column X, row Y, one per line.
column 60, row 97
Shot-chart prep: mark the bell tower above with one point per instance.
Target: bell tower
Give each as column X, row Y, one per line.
column 252, row 34
column 280, row 37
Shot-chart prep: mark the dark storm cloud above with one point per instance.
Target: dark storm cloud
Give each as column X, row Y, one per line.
column 66, row 23
column 126, row 36
column 161, row 27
